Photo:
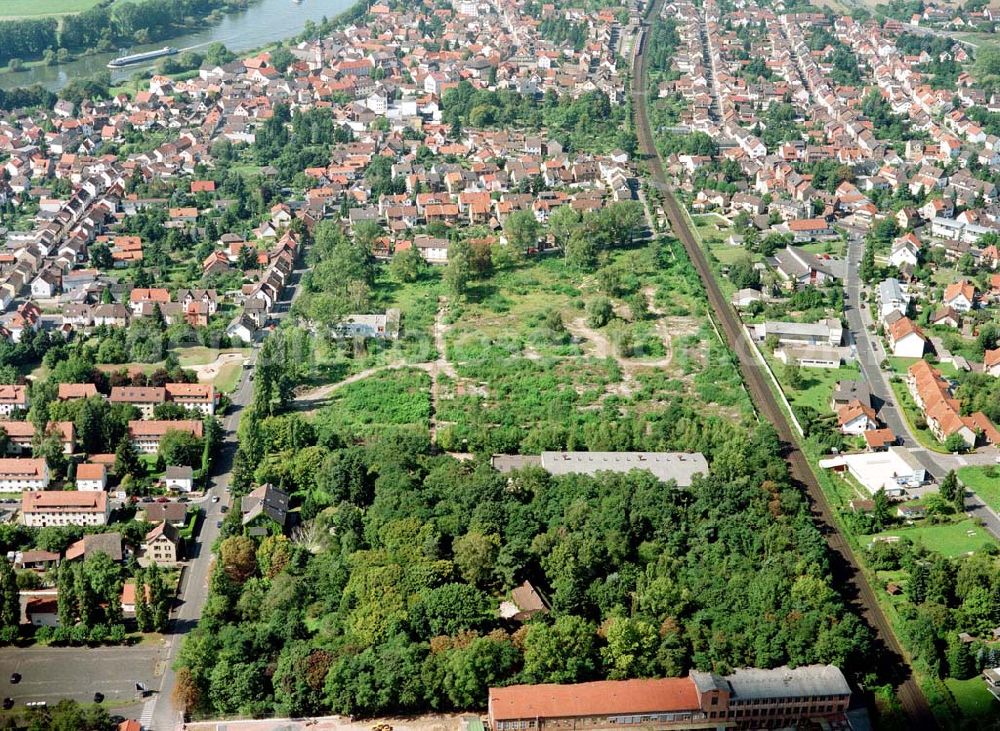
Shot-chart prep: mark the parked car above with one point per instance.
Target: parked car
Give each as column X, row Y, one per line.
column 15, row 678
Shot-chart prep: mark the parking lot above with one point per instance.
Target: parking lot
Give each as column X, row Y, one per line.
column 52, row 673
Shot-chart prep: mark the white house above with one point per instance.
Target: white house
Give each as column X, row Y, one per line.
column 891, row 298
column 905, row 338
column 960, row 295
column 856, row 418
column 64, row 507
column 179, row 478
column 19, row 475
column 91, row 477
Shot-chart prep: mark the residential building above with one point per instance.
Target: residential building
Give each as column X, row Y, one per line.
column 13, row 398
column 856, row 418
column 20, row 475
column 144, row 398
column 906, row 340
column 891, row 298
column 110, row 544
column 173, row 513
column 267, row 501
column 146, row 434
column 800, row 268
column 91, row 476
column 64, row 507
column 179, row 478
column 198, row 397
column 960, row 295
column 991, row 362
column 162, row 544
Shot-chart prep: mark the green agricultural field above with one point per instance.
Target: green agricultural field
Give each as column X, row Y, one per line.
column 41, row 8
column 951, row 539
column 983, row 483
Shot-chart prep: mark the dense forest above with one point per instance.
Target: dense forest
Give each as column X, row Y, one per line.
column 385, row 599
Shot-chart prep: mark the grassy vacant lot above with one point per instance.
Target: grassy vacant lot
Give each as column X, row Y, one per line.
column 973, row 698
column 985, row 482
column 390, row 398
column 950, row 539
column 818, row 385
column 42, row 8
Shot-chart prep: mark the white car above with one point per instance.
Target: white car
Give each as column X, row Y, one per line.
column 215, row 498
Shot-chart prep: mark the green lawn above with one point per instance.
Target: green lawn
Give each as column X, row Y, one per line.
column 36, row 9
column 900, row 365
column 973, row 698
column 229, row 377
column 985, row 486
column 200, row 355
column 954, row 539
column 818, row 385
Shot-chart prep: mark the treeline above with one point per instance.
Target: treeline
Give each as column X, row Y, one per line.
column 104, row 26
column 23, row 97
column 386, row 600
column 26, row 38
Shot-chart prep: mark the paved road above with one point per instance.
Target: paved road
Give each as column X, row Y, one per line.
column 871, row 353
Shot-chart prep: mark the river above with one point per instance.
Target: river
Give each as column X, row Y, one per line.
column 261, row 23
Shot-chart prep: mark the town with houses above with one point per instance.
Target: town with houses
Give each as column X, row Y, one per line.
column 162, row 249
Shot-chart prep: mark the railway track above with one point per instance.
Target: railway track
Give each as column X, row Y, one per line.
column 848, row 576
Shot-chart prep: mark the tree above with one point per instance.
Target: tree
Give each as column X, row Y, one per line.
column 599, row 312
column 238, row 558
column 562, row 223
column 407, row 265
column 159, row 600
column 521, row 229
column 458, row 272
column 476, row 555
column 127, row 461
column 143, row 616
column 882, row 510
column 956, row 444
column 949, row 487
column 66, row 597
column 180, row 448
column 186, row 694
column 563, row 652
column 10, row 604
column 793, row 374
column 631, row 648
column 867, row 270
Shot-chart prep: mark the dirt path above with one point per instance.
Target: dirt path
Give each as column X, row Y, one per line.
column 602, row 347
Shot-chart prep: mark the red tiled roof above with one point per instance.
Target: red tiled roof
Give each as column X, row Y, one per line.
column 599, row 698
